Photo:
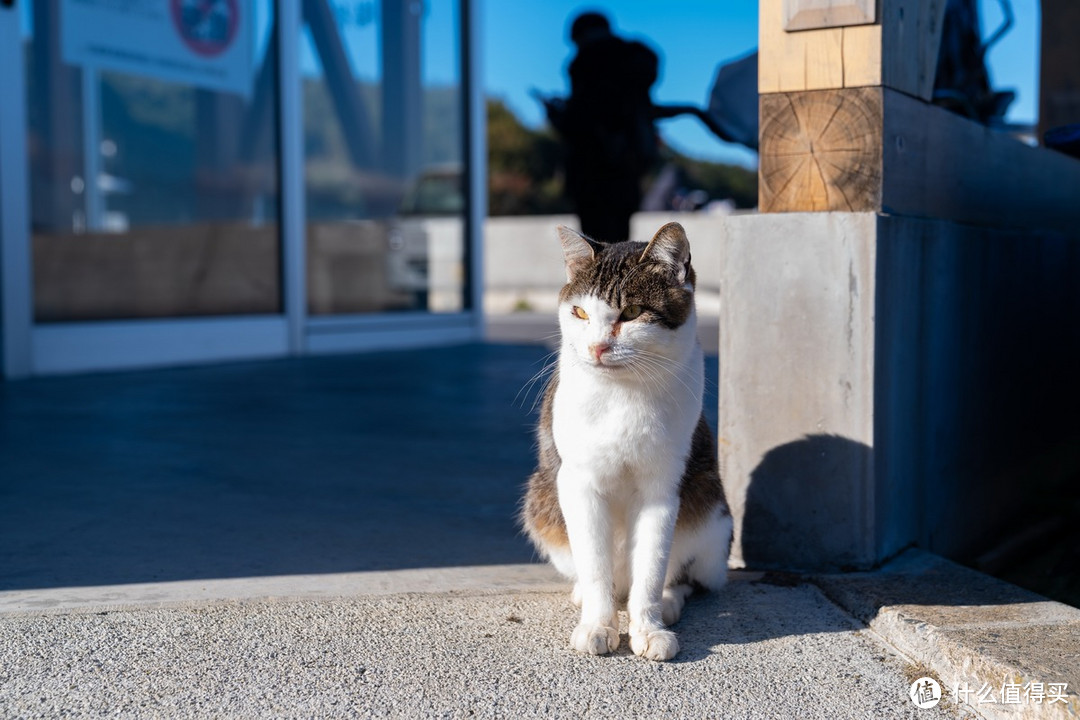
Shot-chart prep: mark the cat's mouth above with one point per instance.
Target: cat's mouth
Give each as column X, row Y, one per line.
column 608, row 364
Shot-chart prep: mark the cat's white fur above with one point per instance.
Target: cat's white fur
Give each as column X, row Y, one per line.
column 622, row 422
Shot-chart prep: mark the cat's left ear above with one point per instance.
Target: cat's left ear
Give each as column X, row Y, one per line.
column 578, row 250
column 670, row 247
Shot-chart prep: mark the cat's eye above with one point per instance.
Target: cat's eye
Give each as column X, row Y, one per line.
column 579, row 313
column 630, row 312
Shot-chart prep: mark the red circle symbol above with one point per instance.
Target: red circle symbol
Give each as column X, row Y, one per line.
column 207, row 27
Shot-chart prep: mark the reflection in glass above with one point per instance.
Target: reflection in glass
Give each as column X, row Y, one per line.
column 383, row 146
column 153, row 159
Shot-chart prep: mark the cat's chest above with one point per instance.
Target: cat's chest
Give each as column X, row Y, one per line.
column 603, row 422
column 591, row 409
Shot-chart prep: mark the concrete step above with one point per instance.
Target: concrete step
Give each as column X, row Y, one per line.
column 1002, row 650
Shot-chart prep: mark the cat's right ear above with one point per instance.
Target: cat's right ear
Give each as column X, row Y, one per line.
column 578, row 250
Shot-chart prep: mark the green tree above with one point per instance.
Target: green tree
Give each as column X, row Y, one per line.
column 524, row 166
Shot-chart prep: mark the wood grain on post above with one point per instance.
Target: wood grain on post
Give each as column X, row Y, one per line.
column 879, row 150
column 821, row 150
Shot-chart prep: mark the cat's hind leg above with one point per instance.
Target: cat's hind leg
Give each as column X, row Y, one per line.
column 674, row 598
column 699, row 557
column 562, row 560
column 710, row 564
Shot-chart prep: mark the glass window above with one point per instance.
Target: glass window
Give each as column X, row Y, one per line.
column 383, row 148
column 153, row 158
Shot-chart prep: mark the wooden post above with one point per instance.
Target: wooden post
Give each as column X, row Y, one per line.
column 846, row 125
column 821, row 95
column 821, row 150
column 899, row 50
column 814, row 14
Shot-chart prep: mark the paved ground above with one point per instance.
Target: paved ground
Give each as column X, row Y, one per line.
column 753, row 651
column 334, row 536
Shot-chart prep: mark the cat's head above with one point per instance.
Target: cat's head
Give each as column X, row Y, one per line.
column 626, row 303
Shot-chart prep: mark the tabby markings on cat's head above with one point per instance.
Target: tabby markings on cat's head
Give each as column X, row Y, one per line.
column 624, row 301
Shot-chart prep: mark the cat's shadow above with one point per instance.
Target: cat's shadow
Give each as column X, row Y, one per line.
column 746, row 611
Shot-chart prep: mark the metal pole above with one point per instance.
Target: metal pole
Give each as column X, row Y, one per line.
column 93, row 197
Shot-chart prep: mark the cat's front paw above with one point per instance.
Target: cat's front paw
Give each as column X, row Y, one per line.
column 654, row 644
column 594, row 639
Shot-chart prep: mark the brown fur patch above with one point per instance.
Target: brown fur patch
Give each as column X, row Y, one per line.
column 619, row 276
column 700, row 491
column 541, row 515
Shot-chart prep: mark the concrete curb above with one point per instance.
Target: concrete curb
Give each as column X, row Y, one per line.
column 985, row 640
column 532, row 577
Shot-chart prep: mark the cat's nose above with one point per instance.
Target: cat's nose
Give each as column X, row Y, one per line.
column 598, row 349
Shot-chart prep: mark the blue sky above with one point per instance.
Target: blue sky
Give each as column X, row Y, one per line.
column 526, row 45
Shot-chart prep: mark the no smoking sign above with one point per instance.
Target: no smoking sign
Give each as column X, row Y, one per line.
column 207, row 27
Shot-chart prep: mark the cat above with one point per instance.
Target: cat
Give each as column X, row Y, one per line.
column 626, row 498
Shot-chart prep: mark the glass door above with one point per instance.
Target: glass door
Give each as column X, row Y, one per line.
column 384, row 106
column 199, row 180
column 150, row 154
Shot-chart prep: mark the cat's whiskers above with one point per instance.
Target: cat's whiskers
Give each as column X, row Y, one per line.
column 544, row 374
column 556, row 336
column 639, row 373
column 664, row 363
column 645, row 371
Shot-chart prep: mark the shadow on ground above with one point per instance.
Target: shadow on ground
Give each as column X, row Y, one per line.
column 315, row 465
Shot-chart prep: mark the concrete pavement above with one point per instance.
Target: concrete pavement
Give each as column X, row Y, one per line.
column 334, row 537
column 756, row 650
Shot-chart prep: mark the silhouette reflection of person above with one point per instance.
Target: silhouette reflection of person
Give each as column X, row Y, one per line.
column 606, row 126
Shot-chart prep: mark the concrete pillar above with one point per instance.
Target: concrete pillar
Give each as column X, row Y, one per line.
column 891, row 366
column 796, row 388
column 889, row 381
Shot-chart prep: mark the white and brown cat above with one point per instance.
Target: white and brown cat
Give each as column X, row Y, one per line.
column 626, row 499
